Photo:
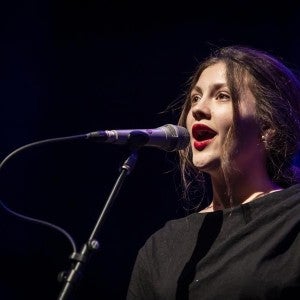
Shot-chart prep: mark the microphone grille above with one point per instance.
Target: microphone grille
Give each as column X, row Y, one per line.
column 181, row 137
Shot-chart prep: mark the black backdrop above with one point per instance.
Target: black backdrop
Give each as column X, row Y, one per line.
column 72, row 67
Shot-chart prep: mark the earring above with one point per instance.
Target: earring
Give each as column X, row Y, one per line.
column 264, row 140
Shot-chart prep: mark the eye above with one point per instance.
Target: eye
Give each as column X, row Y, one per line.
column 195, row 98
column 223, row 96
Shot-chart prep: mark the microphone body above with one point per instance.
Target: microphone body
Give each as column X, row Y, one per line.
column 168, row 137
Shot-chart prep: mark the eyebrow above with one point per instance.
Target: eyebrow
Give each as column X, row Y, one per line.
column 212, row 87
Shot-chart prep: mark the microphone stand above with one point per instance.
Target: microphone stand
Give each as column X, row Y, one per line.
column 79, row 259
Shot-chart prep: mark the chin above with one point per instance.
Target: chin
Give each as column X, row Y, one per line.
column 206, row 165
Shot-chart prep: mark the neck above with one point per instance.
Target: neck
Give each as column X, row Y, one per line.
column 240, row 190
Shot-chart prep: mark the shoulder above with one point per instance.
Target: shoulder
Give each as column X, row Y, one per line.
column 278, row 211
column 173, row 234
column 292, row 190
column 176, row 227
column 288, row 197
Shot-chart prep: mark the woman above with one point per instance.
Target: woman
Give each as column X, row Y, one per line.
column 242, row 112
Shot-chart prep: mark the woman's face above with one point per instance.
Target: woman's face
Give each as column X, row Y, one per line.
column 210, row 118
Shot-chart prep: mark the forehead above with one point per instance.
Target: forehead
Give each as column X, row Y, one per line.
column 215, row 73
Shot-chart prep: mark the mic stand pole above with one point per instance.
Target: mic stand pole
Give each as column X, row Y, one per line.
column 78, row 259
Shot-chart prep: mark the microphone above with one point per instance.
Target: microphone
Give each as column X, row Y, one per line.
column 168, row 137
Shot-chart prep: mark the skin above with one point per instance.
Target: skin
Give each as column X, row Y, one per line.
column 211, row 105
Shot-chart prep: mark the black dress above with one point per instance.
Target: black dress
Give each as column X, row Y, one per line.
column 249, row 252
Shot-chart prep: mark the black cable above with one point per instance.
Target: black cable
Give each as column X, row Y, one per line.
column 34, row 220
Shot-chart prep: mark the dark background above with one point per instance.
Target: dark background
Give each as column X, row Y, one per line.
column 72, row 67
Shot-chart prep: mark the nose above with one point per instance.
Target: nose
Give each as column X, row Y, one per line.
column 201, row 110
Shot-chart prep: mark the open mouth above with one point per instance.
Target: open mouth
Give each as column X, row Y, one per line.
column 202, row 132
column 203, row 136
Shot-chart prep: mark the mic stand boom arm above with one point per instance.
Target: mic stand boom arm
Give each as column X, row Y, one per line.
column 78, row 259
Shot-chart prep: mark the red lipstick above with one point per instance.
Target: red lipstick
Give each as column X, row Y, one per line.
column 203, row 136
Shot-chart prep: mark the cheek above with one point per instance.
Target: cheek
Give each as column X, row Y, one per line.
column 223, row 121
